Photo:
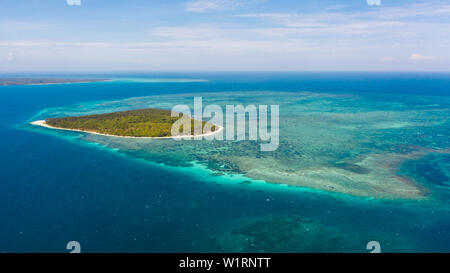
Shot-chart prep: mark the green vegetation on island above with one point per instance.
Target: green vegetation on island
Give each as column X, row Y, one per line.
column 38, row 81
column 149, row 122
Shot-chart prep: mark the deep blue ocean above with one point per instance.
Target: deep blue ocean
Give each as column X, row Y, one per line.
column 53, row 192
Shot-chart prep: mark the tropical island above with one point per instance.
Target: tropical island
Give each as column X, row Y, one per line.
column 141, row 123
column 43, row 81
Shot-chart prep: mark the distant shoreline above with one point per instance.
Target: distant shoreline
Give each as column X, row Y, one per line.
column 14, row 82
column 44, row 124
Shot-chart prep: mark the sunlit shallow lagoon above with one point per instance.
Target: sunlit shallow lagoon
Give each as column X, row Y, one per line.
column 351, row 167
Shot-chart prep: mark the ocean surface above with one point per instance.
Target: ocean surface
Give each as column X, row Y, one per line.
column 367, row 153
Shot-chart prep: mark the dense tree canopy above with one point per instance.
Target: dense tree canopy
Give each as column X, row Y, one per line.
column 149, row 122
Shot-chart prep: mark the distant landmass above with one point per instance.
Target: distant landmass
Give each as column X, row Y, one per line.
column 151, row 122
column 37, row 81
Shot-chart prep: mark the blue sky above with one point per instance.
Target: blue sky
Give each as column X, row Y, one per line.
column 224, row 35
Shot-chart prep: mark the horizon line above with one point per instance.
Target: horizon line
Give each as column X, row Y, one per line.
column 218, row 71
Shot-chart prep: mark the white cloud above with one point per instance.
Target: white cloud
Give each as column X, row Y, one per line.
column 326, row 23
column 191, row 32
column 210, row 5
column 418, row 57
column 334, row 38
column 220, row 44
column 217, row 5
column 373, row 2
column 413, row 11
column 73, row 2
column 432, row 11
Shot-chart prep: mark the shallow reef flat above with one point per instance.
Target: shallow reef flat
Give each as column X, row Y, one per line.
column 344, row 143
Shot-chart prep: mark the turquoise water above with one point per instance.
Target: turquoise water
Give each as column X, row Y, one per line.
column 377, row 130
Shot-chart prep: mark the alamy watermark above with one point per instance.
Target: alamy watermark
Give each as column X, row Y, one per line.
column 230, row 124
column 74, row 247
